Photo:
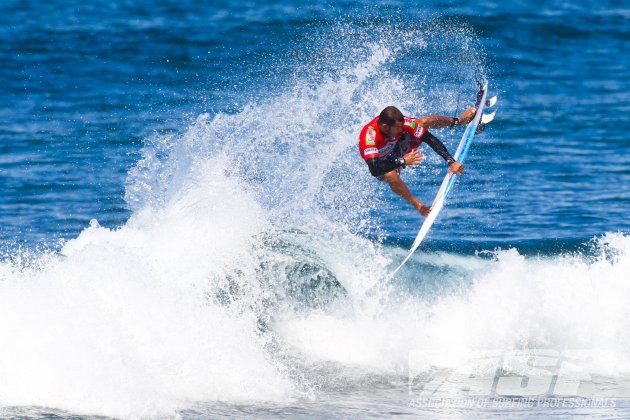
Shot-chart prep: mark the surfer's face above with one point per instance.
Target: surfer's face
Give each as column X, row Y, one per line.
column 391, row 130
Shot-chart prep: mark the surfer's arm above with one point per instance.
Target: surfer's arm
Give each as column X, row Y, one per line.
column 441, row 150
column 399, row 187
column 381, row 166
column 438, row 147
column 440, row 121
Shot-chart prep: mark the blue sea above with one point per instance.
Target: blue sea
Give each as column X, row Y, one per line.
column 187, row 229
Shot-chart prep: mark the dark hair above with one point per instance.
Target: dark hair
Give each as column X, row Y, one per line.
column 390, row 115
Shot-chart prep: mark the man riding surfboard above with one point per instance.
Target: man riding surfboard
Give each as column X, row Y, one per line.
column 390, row 142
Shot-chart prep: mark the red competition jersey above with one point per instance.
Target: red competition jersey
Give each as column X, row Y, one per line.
column 372, row 144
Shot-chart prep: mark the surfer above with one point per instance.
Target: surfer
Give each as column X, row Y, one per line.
column 390, row 142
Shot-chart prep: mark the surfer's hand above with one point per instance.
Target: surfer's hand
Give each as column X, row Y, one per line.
column 456, row 167
column 425, row 210
column 467, row 116
column 413, row 158
column 422, row 209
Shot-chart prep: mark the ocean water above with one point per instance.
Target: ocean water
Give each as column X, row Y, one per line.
column 187, row 228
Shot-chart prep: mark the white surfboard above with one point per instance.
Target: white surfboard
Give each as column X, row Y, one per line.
column 449, row 179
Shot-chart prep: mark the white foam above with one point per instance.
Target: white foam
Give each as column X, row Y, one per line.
column 121, row 323
column 562, row 302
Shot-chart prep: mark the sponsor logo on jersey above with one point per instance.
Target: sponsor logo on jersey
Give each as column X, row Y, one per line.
column 370, row 136
column 370, row 151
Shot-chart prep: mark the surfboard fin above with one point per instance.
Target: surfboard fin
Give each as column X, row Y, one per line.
column 485, row 119
column 490, row 102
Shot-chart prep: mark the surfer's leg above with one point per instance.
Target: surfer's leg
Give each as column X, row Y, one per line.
column 399, row 187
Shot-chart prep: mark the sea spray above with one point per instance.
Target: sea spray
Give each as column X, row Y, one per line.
column 251, row 232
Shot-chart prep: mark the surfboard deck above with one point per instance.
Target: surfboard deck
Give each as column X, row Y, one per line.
column 476, row 125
